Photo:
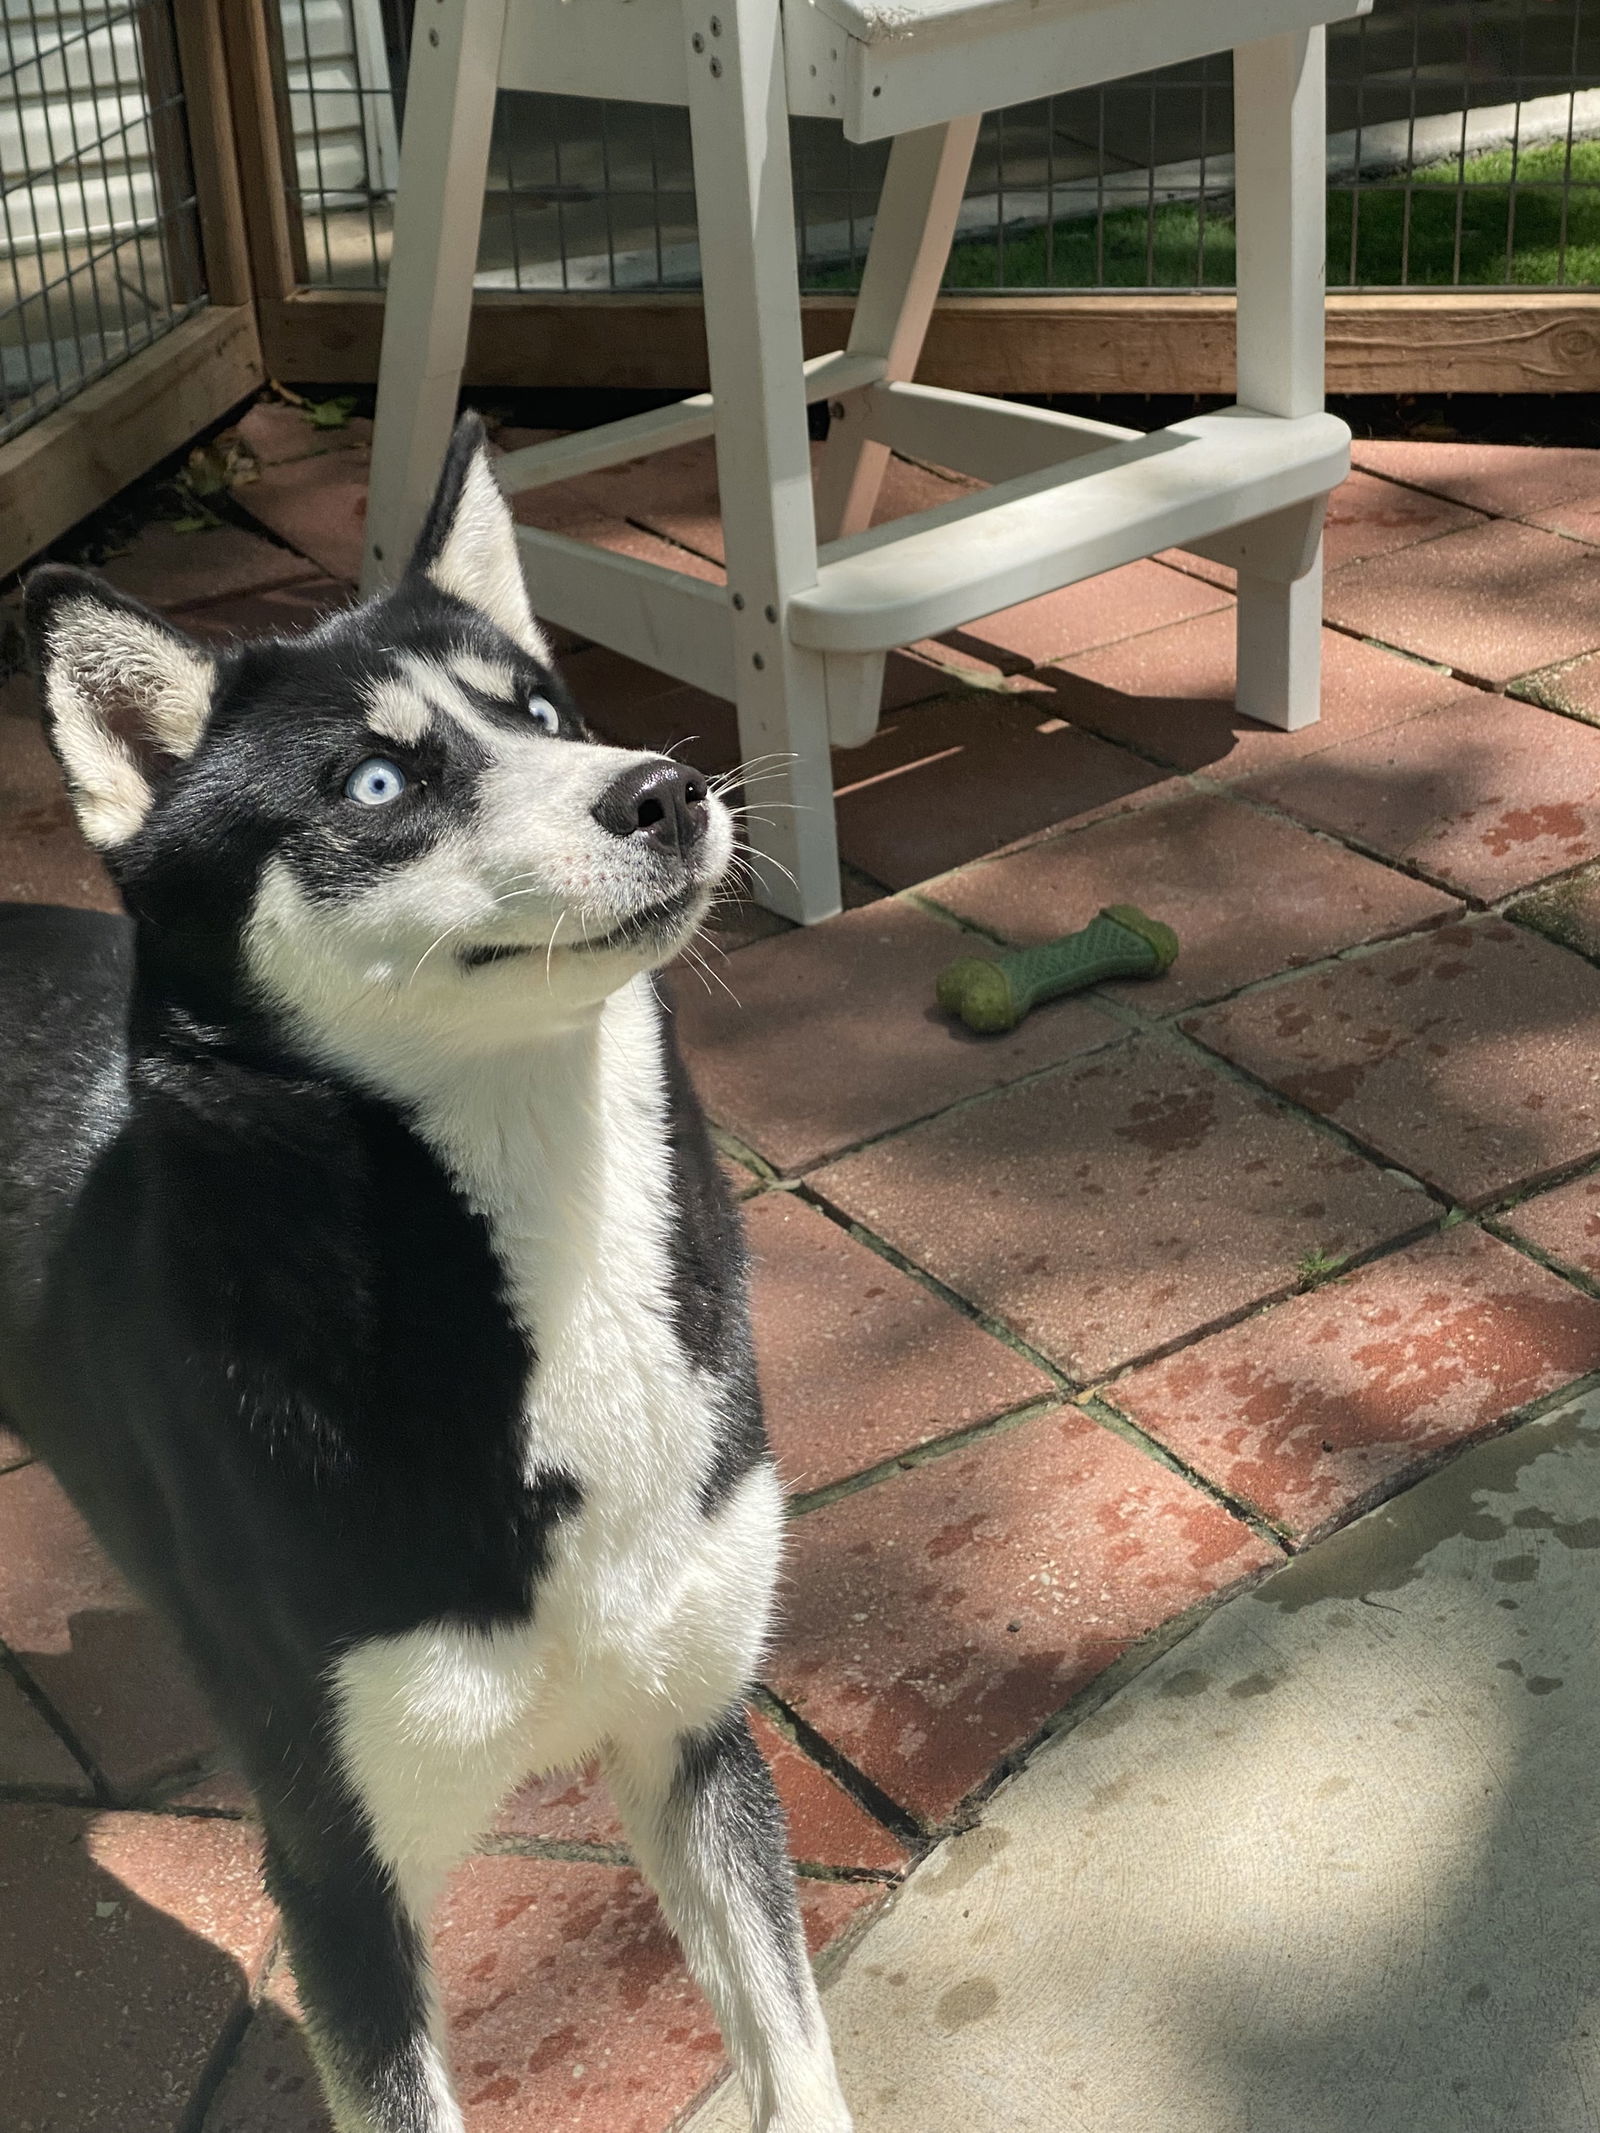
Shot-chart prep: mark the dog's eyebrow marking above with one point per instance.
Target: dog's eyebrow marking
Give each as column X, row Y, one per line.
column 444, row 692
column 397, row 709
column 401, row 707
column 487, row 676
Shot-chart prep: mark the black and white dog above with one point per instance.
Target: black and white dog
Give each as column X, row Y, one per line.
column 367, row 1277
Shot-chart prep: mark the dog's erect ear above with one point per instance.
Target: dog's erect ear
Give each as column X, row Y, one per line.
column 125, row 696
column 468, row 546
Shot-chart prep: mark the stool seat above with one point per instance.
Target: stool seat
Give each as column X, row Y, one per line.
column 816, row 595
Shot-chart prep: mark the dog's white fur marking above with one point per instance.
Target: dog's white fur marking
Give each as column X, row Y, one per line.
column 108, row 664
column 653, row 1616
column 402, row 706
column 397, row 711
column 479, row 560
column 546, row 1104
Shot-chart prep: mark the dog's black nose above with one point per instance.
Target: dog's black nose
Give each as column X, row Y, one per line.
column 663, row 803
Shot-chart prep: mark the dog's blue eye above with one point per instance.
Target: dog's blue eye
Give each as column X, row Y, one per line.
column 544, row 714
column 375, row 782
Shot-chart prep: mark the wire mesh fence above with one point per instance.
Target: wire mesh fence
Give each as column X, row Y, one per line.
column 99, row 241
column 1463, row 150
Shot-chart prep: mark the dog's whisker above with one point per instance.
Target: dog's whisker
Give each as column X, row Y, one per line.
column 711, row 977
column 447, row 934
column 766, row 859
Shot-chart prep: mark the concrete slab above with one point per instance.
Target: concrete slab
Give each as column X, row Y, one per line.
column 1332, row 1863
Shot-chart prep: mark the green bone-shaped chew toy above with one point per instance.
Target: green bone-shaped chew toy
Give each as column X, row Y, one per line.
column 1120, row 943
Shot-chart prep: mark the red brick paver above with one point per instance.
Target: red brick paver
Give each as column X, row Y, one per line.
column 767, row 1061
column 1169, row 696
column 282, row 612
column 1108, row 1209
column 43, row 858
column 1549, row 486
column 827, row 1828
column 1486, row 794
column 954, row 780
column 317, row 505
column 939, row 1619
column 566, row 2004
column 1313, row 1411
column 167, row 569
column 272, row 433
column 1572, row 687
column 1565, row 1223
column 858, row 1361
column 1200, row 863
column 1471, row 1056
column 33, row 1757
column 99, row 1657
column 1567, row 910
column 1365, row 517
column 1122, row 603
column 126, row 1943
column 1490, row 603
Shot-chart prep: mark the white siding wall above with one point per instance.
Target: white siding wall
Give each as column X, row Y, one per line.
column 75, row 153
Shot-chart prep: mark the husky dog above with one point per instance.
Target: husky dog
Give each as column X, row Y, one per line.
column 367, row 1277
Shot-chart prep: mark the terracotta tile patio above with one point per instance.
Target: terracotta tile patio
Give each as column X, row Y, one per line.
column 1064, row 1334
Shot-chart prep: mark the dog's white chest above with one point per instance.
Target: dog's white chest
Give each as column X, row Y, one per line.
column 653, row 1613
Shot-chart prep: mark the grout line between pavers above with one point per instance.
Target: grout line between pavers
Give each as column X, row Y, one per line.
column 1171, row 1036
column 226, row 2045
column 59, row 1725
column 996, row 1327
column 932, row 1449
column 899, row 1821
column 1119, row 1423
column 1552, row 1262
column 1097, row 1691
column 1516, row 690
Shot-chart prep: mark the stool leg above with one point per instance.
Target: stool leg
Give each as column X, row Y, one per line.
column 738, row 115
column 1280, row 121
column 438, row 210
column 916, row 221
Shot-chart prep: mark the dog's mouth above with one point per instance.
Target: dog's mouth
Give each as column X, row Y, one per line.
column 644, row 928
column 477, row 958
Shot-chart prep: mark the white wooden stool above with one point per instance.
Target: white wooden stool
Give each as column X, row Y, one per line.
column 798, row 635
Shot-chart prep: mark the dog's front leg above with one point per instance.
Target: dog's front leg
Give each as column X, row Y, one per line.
column 707, row 1828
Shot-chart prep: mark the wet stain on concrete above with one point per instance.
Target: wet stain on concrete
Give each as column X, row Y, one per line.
column 1255, row 1685
column 968, row 2002
column 1384, row 1551
column 950, row 1871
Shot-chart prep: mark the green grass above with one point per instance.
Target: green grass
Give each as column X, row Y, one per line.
column 1476, row 207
